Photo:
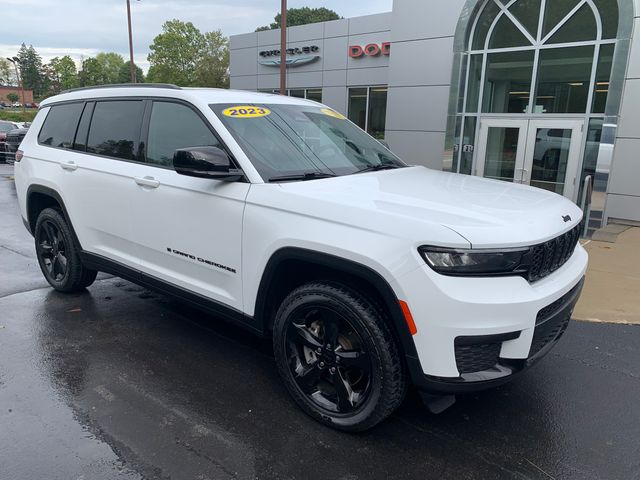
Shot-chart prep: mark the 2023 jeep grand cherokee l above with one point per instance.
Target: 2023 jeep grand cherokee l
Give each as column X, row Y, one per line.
column 281, row 215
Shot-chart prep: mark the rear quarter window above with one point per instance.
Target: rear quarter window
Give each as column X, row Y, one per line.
column 59, row 128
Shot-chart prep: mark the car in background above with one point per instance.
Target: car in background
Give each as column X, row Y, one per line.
column 14, row 138
column 5, row 128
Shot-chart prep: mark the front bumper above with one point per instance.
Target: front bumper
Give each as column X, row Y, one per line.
column 476, row 333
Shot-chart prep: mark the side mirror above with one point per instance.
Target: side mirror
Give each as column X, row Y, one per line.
column 205, row 162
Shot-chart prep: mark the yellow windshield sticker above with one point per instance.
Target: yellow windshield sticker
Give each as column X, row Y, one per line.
column 333, row 113
column 246, row 111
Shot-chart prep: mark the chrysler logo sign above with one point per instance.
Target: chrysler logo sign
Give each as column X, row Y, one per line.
column 295, row 56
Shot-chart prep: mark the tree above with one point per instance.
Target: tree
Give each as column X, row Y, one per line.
column 91, row 73
column 213, row 67
column 176, row 53
column 124, row 76
column 303, row 16
column 6, row 72
column 13, row 97
column 62, row 74
column 110, row 65
column 31, row 70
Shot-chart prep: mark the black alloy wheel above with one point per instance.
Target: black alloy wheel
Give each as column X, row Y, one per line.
column 58, row 254
column 327, row 359
column 337, row 356
column 51, row 251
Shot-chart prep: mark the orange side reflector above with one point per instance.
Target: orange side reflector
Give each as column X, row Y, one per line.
column 408, row 317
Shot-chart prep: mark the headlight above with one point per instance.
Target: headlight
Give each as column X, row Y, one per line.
column 475, row 262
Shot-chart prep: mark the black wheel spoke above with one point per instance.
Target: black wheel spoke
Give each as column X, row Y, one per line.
column 331, row 328
column 301, row 334
column 354, row 358
column 55, row 266
column 62, row 261
column 45, row 248
column 343, row 392
column 308, row 378
column 50, row 233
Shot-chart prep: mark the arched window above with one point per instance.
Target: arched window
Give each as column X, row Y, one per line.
column 556, row 52
column 531, row 58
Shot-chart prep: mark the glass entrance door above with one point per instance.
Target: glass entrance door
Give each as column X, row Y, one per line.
column 541, row 153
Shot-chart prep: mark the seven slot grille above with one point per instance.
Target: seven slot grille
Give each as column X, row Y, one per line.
column 548, row 257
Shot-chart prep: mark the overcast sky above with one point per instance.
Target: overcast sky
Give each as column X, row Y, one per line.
column 82, row 28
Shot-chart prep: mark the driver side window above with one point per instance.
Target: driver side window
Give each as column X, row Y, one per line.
column 173, row 126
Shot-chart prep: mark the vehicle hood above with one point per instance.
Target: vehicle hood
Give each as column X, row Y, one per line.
column 487, row 213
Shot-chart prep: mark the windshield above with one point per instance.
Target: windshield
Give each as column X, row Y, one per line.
column 307, row 141
column 7, row 127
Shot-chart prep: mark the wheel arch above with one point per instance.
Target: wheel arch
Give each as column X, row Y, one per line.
column 40, row 197
column 290, row 267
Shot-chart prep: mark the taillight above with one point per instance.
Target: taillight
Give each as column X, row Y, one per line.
column 3, row 136
column 19, row 155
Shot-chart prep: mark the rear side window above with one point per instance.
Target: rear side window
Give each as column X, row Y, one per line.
column 115, row 129
column 59, row 127
column 173, row 126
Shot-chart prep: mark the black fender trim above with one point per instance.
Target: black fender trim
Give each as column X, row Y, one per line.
column 229, row 314
column 387, row 295
column 50, row 192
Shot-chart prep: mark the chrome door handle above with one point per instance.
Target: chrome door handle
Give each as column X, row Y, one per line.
column 70, row 166
column 147, row 182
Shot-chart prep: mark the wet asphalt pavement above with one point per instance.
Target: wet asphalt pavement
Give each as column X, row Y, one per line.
column 121, row 383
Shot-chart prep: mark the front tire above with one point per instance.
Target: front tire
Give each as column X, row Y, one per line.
column 337, row 356
column 58, row 255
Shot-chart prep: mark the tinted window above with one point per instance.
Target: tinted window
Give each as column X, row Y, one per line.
column 174, row 126
column 59, row 127
column 83, row 128
column 115, row 129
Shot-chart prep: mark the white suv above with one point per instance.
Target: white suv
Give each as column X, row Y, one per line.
column 282, row 216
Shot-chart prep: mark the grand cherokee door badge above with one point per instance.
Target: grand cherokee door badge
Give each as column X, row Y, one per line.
column 201, row 260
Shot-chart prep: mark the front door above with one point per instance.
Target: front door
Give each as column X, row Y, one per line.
column 542, row 153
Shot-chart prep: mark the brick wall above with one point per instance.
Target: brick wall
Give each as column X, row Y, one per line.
column 4, row 91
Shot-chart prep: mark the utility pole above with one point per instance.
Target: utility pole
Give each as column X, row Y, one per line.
column 15, row 60
column 133, row 66
column 283, row 48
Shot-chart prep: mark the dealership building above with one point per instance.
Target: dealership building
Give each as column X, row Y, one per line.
column 541, row 92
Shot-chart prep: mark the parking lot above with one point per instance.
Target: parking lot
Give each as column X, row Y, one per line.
column 119, row 382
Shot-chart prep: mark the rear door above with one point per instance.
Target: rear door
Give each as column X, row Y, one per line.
column 103, row 188
column 188, row 230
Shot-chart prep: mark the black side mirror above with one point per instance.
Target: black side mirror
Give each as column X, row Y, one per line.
column 205, row 162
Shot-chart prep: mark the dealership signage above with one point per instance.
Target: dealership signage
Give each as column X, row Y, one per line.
column 295, row 56
column 370, row 50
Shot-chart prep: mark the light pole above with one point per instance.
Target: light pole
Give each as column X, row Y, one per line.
column 133, row 66
column 283, row 48
column 15, row 60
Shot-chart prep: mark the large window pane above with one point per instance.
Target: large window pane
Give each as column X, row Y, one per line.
column 358, row 106
column 115, row 129
column 603, row 75
column 475, row 77
column 485, row 20
column 564, row 77
column 527, row 12
column 60, row 125
column 555, row 11
column 173, row 126
column 508, row 82
column 506, row 35
column 377, row 112
column 580, row 27
column 609, row 16
column 296, row 93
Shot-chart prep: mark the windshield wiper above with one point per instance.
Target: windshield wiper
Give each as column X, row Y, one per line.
column 302, row 177
column 377, row 168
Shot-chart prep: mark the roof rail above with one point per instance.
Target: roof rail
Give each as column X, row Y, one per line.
column 125, row 85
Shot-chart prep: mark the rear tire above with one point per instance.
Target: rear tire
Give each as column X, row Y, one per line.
column 338, row 357
column 58, row 254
